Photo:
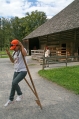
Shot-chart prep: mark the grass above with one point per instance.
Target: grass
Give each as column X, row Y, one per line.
column 3, row 54
column 32, row 64
column 67, row 77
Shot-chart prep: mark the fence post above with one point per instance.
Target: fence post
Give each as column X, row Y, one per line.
column 66, row 59
column 43, row 62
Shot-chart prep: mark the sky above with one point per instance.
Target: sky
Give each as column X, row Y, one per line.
column 12, row 8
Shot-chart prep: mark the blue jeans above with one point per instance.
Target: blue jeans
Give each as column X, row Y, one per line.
column 18, row 76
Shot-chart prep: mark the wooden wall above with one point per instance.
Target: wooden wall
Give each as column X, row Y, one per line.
column 57, row 40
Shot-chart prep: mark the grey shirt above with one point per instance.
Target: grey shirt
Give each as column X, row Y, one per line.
column 19, row 64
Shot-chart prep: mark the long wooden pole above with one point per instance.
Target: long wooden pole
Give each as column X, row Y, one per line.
column 34, row 91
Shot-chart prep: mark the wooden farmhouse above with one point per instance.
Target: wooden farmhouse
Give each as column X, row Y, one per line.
column 60, row 33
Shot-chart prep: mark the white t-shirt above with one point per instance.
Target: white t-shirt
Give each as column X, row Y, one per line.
column 47, row 53
column 19, row 64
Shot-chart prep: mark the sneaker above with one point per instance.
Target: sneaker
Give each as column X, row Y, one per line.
column 8, row 102
column 19, row 98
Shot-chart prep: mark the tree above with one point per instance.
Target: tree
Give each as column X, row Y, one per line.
column 15, row 24
column 6, row 32
column 19, row 27
column 34, row 20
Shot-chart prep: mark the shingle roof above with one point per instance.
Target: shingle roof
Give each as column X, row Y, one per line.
column 67, row 19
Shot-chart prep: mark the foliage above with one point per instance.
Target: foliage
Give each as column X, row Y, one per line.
column 19, row 27
column 67, row 77
column 34, row 20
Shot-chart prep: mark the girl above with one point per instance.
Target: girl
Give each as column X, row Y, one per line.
column 20, row 70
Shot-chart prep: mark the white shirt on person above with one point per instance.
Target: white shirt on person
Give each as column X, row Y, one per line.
column 19, row 64
column 47, row 53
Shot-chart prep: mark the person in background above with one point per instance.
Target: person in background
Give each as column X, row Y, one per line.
column 20, row 70
column 47, row 54
column 34, row 48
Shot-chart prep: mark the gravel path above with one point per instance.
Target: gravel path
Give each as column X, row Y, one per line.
column 57, row 102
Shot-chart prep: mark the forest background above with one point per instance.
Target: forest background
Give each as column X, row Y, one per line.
column 18, row 28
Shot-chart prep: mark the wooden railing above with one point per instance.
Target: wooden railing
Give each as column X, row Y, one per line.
column 58, row 59
column 37, row 54
column 54, row 58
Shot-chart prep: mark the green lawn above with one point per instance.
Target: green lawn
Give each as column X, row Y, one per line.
column 67, row 77
column 3, row 54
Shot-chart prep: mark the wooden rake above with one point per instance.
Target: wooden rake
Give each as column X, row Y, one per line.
column 33, row 89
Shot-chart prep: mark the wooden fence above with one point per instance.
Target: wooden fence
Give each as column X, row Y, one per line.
column 54, row 58
column 58, row 59
column 37, row 54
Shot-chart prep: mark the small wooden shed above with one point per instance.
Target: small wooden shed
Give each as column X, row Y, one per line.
column 60, row 32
